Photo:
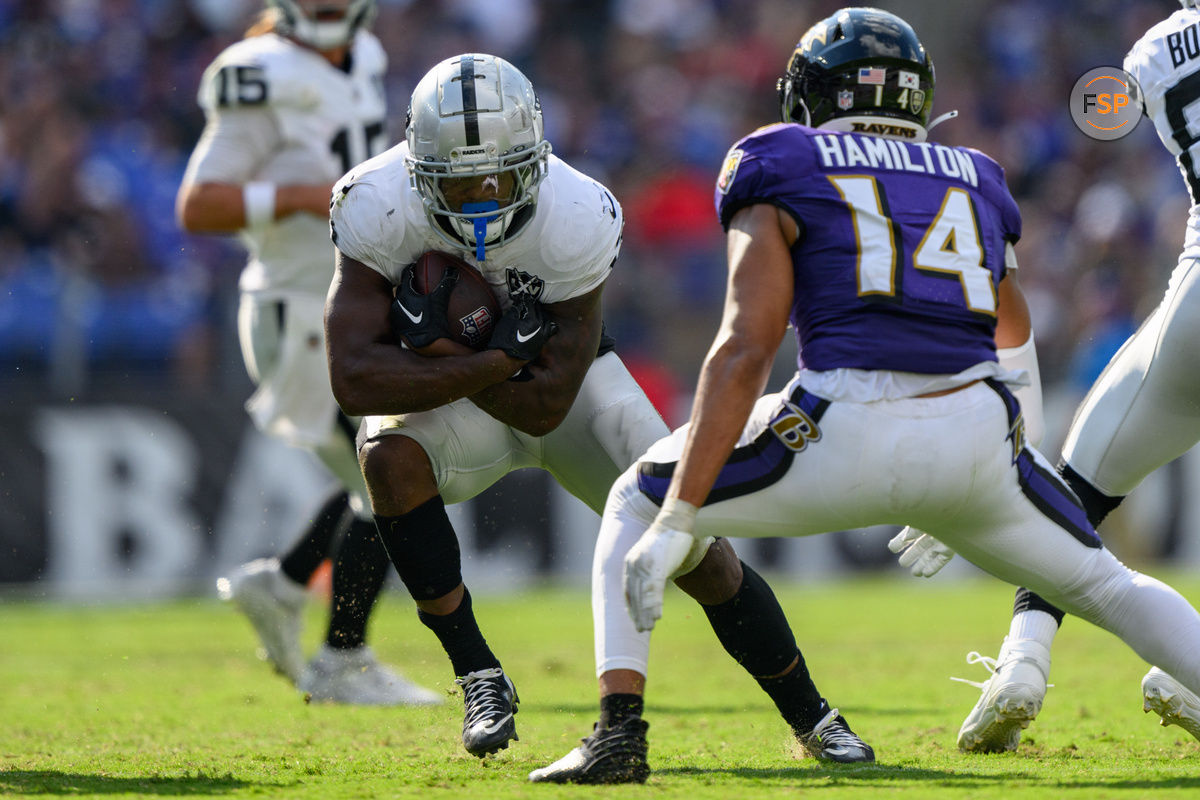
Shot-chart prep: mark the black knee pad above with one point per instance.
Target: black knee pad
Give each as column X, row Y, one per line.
column 424, row 549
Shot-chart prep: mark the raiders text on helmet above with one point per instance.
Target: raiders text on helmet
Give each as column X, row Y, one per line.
column 324, row 24
column 476, row 151
column 856, row 66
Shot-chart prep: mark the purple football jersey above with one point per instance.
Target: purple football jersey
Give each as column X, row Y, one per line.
column 901, row 250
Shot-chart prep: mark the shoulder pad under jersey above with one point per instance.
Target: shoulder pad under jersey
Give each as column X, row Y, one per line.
column 583, row 225
column 367, row 219
column 757, row 165
column 993, row 185
column 369, row 53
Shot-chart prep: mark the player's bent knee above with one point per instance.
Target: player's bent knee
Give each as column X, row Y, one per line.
column 716, row 578
column 398, row 473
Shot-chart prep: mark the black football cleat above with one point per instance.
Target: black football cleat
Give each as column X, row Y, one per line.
column 490, row 700
column 609, row 755
column 832, row 740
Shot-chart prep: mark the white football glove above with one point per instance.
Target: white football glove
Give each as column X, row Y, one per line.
column 655, row 557
column 920, row 552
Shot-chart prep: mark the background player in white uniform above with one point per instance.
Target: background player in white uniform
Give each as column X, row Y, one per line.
column 289, row 109
column 1142, row 412
column 898, row 413
column 476, row 177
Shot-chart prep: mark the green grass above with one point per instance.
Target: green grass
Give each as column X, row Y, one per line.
column 168, row 700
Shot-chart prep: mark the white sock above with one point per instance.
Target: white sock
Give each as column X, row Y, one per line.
column 1033, row 625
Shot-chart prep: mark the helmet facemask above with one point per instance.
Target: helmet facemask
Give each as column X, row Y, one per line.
column 324, row 24
column 476, row 150
column 479, row 203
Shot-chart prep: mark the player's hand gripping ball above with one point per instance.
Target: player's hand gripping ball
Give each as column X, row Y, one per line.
column 440, row 296
column 523, row 330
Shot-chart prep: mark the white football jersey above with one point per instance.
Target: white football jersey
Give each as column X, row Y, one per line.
column 277, row 111
column 1166, row 64
column 566, row 249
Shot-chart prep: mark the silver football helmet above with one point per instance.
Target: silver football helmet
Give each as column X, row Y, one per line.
column 476, row 150
column 323, row 24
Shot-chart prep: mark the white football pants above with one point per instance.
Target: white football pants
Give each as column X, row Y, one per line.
column 610, row 424
column 283, row 346
column 946, row 465
column 1144, row 409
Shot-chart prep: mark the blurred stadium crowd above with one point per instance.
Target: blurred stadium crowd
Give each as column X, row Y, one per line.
column 99, row 115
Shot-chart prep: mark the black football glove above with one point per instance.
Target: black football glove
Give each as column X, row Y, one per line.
column 522, row 331
column 420, row 319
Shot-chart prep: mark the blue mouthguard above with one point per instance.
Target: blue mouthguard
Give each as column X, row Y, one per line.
column 481, row 223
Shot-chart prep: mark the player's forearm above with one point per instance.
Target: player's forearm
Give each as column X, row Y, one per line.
column 210, row 208
column 384, row 379
column 535, row 406
column 229, row 207
column 731, row 381
column 738, row 364
column 539, row 405
column 303, row 198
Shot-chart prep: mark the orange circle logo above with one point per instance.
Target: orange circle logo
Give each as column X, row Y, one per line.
column 1106, row 103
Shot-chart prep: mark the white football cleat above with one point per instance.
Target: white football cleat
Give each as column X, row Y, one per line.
column 274, row 604
column 354, row 677
column 1171, row 700
column 1010, row 699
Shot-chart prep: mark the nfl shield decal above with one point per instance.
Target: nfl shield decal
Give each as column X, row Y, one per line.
column 845, row 99
column 916, row 99
column 473, row 323
column 729, row 171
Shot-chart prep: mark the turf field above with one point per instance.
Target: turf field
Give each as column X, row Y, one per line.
column 169, row 700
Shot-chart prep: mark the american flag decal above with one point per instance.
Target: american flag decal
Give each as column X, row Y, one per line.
column 871, row 75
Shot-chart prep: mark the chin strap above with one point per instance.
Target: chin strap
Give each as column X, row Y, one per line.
column 807, row 114
column 940, row 118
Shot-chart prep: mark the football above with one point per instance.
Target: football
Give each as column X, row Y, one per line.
column 473, row 308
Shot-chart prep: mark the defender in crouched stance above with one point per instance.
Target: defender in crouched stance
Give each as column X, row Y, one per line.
column 893, row 260
column 443, row 421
